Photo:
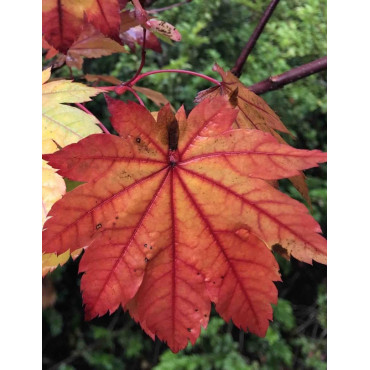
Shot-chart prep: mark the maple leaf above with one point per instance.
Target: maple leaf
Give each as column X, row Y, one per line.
column 61, row 125
column 165, row 29
column 155, row 96
column 53, row 187
column 132, row 24
column 51, row 52
column 102, row 78
column 131, row 32
column 135, row 35
column 254, row 113
column 177, row 213
column 63, row 20
column 91, row 44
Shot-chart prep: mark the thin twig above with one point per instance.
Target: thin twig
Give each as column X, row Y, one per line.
column 230, row 326
column 295, row 74
column 136, row 95
column 81, row 106
column 168, row 7
column 157, row 347
column 241, row 341
column 80, row 352
column 143, row 54
column 237, row 69
column 210, row 79
column 114, row 320
column 272, row 83
column 120, row 89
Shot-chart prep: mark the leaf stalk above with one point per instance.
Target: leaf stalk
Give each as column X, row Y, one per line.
column 81, row 106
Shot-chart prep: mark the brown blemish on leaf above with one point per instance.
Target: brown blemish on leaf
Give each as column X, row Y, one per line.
column 281, row 250
column 173, row 134
column 233, row 97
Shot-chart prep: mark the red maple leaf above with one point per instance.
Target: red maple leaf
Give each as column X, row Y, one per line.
column 62, row 21
column 177, row 213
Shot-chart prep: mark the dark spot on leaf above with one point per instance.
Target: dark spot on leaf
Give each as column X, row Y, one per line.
column 173, row 134
column 58, row 146
column 138, row 140
column 281, row 250
column 98, row 226
column 233, row 98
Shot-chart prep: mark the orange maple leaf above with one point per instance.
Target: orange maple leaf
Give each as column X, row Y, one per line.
column 178, row 213
column 62, row 21
column 253, row 113
column 91, row 44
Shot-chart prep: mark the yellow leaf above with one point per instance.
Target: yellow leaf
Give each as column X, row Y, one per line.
column 46, row 75
column 53, row 188
column 50, row 261
column 66, row 125
column 65, row 91
column 61, row 125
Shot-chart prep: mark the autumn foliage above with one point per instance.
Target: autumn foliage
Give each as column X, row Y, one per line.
column 177, row 211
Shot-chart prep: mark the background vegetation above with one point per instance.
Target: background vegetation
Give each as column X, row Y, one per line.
column 214, row 31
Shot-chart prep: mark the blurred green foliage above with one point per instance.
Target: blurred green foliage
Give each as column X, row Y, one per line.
column 216, row 31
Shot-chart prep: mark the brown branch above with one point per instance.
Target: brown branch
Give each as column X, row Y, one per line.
column 295, row 74
column 237, row 69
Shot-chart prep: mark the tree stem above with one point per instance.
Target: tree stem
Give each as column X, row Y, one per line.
column 81, row 106
column 135, row 94
column 295, row 74
column 143, row 54
column 216, row 82
column 237, row 69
